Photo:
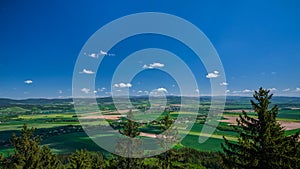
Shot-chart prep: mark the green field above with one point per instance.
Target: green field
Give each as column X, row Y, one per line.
column 59, row 127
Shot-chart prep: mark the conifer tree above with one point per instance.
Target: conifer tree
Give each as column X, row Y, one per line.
column 128, row 147
column 98, row 161
column 28, row 153
column 80, row 160
column 168, row 138
column 47, row 159
column 261, row 141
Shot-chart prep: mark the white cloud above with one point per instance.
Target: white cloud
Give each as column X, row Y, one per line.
column 214, row 74
column 224, row 84
column 85, row 90
column 272, row 89
column 197, row 91
column 105, row 53
column 122, row 85
column 153, row 65
column 227, row 91
column 146, row 92
column 286, row 90
column 248, row 91
column 60, row 91
column 159, row 91
column 96, row 55
column 95, row 92
column 101, row 89
column 28, row 81
column 85, row 71
column 93, row 55
column 162, row 90
column 297, row 89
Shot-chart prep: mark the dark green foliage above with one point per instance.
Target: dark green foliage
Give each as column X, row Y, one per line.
column 130, row 127
column 80, row 160
column 2, row 161
column 28, row 154
column 261, row 142
column 169, row 137
column 207, row 159
column 123, row 162
column 47, row 159
column 128, row 146
column 98, row 161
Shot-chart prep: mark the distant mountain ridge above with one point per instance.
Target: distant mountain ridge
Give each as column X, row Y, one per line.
column 229, row 99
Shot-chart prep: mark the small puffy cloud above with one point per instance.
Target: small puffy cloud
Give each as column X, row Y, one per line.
column 96, row 55
column 248, row 91
column 60, row 91
column 142, row 92
column 286, row 90
column 122, row 85
column 224, row 84
column 153, row 65
column 101, row 89
column 297, row 89
column 159, row 91
column 162, row 90
column 85, row 71
column 93, row 55
column 272, row 89
column 105, row 53
column 85, row 90
column 197, row 91
column 95, row 92
column 227, row 91
column 28, row 81
column 214, row 74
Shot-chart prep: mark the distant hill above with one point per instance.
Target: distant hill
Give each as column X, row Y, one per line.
column 204, row 99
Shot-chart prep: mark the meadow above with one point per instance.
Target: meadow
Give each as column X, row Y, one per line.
column 58, row 125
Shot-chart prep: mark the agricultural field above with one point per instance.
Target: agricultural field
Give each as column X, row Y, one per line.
column 62, row 129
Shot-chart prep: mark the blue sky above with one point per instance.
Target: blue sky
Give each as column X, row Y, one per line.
column 257, row 42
